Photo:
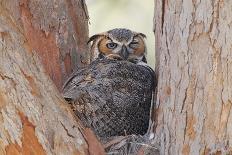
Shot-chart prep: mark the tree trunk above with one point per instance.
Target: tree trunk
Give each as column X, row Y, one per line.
column 57, row 31
column 34, row 118
column 193, row 46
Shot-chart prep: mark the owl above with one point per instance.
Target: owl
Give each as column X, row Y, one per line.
column 113, row 94
column 119, row 44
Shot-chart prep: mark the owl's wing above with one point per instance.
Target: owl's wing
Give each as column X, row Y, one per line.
column 111, row 97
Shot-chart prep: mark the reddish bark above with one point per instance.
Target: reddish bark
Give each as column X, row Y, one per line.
column 60, row 41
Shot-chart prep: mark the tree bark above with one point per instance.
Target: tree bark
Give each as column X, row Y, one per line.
column 193, row 46
column 56, row 31
column 34, row 118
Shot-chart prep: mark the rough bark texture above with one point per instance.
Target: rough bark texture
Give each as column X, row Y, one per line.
column 34, row 118
column 56, row 30
column 194, row 66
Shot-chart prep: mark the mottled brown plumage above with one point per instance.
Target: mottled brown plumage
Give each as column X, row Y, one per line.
column 113, row 94
column 112, row 97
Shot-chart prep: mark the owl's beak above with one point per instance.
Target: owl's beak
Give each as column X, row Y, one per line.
column 124, row 53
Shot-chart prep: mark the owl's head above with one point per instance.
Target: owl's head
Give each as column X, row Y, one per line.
column 119, row 43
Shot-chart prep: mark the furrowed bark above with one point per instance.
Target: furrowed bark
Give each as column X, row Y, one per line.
column 37, row 39
column 34, row 117
column 57, row 31
column 193, row 46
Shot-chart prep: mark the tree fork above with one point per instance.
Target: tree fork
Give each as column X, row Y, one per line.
column 37, row 39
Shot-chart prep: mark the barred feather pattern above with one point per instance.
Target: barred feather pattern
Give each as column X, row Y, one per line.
column 111, row 97
column 121, row 34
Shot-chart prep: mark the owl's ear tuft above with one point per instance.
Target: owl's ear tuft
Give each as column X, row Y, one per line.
column 95, row 37
column 142, row 35
column 92, row 38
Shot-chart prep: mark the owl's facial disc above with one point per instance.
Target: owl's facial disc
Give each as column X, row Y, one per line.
column 124, row 48
column 121, row 44
column 119, row 48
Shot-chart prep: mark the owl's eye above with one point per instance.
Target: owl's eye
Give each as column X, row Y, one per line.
column 111, row 45
column 133, row 43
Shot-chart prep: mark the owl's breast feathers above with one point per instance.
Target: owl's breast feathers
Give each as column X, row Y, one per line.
column 112, row 97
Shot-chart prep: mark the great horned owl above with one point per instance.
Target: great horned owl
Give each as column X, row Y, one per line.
column 113, row 95
column 121, row 44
